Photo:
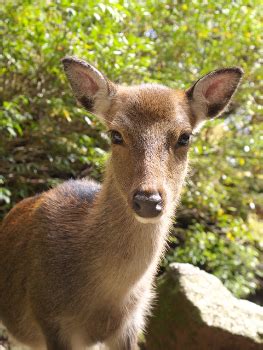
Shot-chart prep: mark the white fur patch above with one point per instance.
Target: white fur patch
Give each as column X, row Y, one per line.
column 148, row 220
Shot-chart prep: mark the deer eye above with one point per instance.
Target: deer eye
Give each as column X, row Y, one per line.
column 183, row 140
column 116, row 137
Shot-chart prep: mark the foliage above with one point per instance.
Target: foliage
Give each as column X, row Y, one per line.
column 46, row 138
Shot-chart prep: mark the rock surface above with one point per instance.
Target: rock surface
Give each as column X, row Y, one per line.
column 196, row 312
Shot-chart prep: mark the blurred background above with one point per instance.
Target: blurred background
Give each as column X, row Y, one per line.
column 46, row 138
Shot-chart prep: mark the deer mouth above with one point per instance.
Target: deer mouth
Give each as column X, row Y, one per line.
column 142, row 220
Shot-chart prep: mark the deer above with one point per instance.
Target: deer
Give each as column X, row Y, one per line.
column 78, row 262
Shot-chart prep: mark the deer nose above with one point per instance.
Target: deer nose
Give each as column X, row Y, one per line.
column 147, row 205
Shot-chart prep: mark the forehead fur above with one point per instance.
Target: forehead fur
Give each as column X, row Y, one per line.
column 151, row 103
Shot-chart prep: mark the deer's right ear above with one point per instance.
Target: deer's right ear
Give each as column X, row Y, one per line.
column 90, row 87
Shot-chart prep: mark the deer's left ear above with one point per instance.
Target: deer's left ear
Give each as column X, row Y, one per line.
column 211, row 94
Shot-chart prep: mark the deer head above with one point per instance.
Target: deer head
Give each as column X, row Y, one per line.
column 150, row 127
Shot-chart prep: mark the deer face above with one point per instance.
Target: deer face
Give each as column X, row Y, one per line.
column 150, row 131
column 150, row 128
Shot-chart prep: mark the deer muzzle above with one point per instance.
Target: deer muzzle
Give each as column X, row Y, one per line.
column 147, row 205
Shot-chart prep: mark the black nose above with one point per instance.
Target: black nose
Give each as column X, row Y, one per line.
column 147, row 205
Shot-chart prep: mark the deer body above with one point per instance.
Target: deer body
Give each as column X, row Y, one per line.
column 77, row 262
column 80, row 290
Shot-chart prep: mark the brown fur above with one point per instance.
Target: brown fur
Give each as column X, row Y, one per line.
column 76, row 265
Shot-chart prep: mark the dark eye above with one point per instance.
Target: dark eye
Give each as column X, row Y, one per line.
column 116, row 137
column 184, row 140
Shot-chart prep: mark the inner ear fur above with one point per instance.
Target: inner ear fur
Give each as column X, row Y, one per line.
column 211, row 94
column 90, row 87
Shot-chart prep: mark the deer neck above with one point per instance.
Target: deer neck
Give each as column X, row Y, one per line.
column 130, row 248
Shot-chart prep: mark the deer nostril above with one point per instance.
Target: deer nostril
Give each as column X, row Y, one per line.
column 147, row 205
column 136, row 205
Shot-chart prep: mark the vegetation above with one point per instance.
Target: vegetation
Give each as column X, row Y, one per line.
column 46, row 138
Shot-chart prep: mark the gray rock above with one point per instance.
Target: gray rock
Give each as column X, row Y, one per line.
column 196, row 312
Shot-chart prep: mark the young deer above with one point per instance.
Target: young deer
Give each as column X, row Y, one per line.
column 77, row 262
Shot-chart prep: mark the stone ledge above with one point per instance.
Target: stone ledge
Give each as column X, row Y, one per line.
column 196, row 312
